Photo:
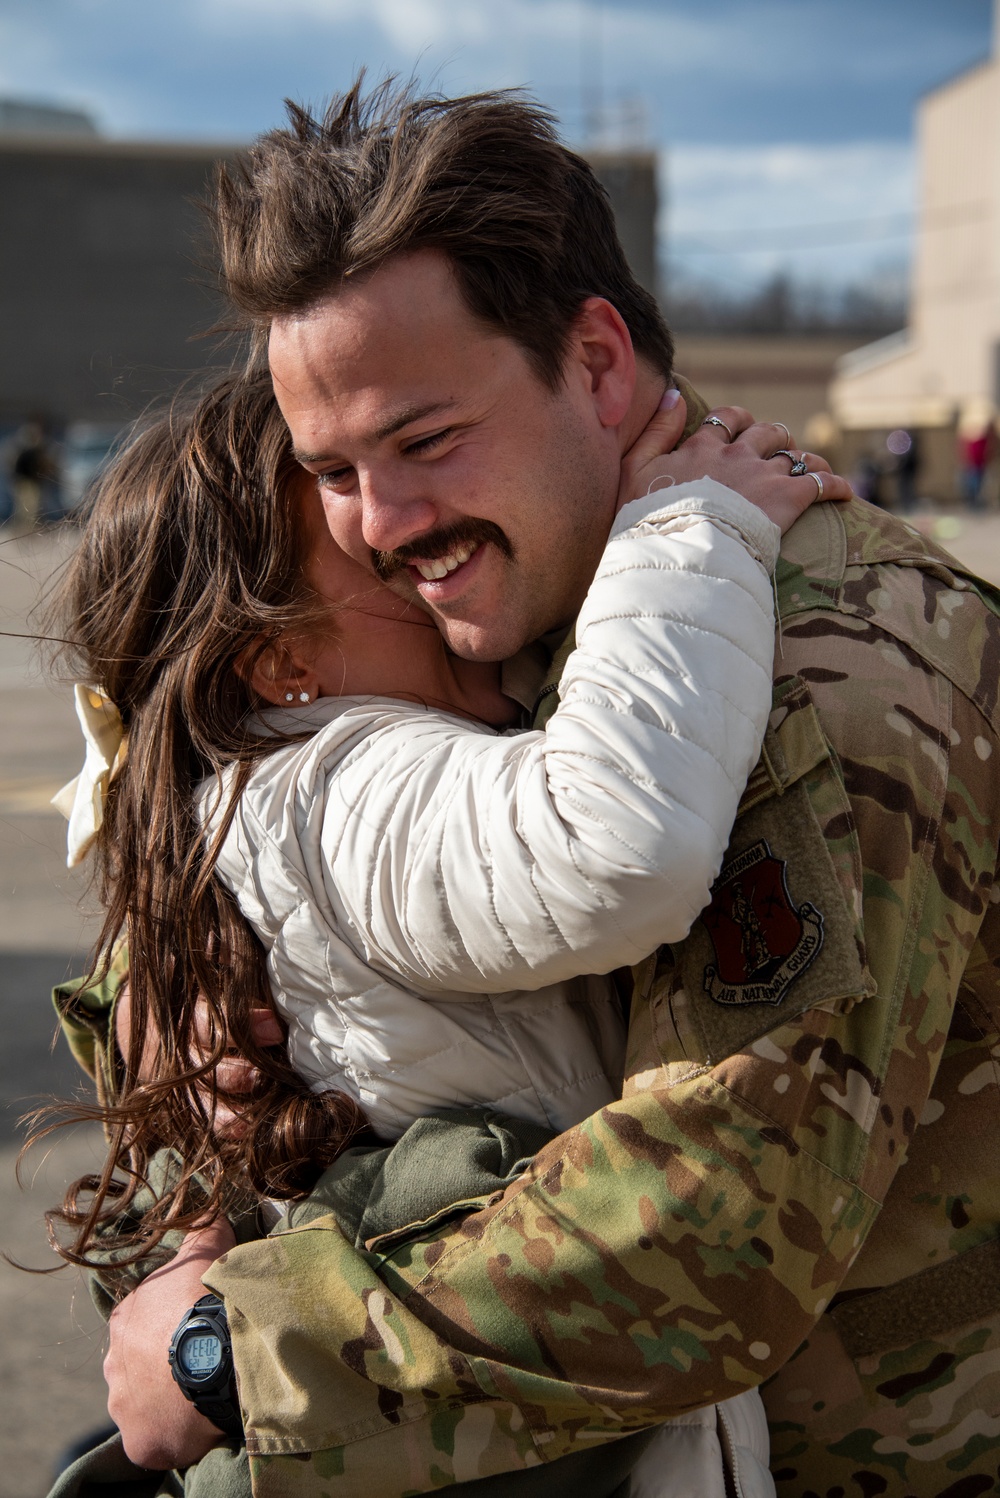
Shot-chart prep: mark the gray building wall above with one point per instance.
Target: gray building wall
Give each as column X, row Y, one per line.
column 101, row 291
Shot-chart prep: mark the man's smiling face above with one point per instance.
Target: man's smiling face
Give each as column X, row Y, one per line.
column 444, row 462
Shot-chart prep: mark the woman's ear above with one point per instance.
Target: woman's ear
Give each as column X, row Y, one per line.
column 280, row 674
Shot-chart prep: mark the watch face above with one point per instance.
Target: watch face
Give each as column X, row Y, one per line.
column 200, row 1354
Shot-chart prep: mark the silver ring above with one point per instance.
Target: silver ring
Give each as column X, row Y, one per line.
column 782, row 452
column 781, row 424
column 799, row 467
column 819, row 484
column 715, row 421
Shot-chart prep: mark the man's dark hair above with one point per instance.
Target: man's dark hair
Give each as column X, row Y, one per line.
column 485, row 179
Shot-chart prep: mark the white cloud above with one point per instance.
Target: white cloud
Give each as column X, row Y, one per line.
column 557, row 35
column 408, row 24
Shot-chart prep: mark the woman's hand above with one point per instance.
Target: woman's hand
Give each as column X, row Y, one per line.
column 734, row 450
column 160, row 1428
column 235, row 1075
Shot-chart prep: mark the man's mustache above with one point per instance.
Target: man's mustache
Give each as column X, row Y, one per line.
column 440, row 543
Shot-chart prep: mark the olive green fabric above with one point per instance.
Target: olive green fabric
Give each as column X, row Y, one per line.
column 106, row 1472
column 443, row 1165
column 85, row 1007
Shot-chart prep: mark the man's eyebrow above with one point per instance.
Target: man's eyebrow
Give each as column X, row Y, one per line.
column 406, row 415
column 389, row 428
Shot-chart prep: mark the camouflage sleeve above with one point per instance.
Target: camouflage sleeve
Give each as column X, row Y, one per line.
column 676, row 1248
column 85, row 1007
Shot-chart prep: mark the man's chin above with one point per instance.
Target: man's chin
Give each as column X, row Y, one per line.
column 470, row 638
column 476, row 641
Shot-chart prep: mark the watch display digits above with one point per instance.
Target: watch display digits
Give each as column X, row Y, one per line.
column 201, row 1361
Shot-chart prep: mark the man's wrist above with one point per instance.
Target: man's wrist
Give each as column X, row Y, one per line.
column 201, row 1362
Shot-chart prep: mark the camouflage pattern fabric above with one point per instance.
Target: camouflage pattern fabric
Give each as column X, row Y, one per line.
column 85, row 1007
column 822, row 1043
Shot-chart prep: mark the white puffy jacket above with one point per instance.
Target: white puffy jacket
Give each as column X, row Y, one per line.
column 430, row 892
column 433, row 896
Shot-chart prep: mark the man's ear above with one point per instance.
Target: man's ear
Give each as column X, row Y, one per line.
column 602, row 348
column 279, row 673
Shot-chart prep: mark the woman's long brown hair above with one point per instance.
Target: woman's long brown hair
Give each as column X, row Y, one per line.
column 190, row 562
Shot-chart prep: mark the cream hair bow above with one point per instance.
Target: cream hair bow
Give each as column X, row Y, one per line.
column 82, row 800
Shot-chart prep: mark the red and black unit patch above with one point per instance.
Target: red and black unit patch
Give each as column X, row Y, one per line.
column 761, row 941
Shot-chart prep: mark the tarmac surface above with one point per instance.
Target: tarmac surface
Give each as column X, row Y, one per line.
column 51, row 1389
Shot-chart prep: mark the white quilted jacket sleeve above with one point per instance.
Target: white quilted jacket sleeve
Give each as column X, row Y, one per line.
column 469, row 863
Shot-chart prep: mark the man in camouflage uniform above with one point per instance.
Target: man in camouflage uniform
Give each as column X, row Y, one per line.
column 819, row 1046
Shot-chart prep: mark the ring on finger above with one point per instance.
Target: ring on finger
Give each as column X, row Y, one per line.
column 782, row 452
column 799, row 467
column 781, row 424
column 716, row 421
column 819, row 484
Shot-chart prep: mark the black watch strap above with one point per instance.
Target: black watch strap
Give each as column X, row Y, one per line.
column 215, row 1397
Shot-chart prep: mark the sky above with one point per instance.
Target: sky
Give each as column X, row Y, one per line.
column 784, row 127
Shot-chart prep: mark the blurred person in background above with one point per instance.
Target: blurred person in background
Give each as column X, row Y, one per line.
column 905, row 448
column 869, row 479
column 34, row 477
column 976, row 446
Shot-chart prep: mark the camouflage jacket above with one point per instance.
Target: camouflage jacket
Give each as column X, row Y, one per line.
column 821, row 1045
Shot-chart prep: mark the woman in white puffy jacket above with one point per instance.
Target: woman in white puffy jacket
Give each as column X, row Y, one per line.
column 434, row 897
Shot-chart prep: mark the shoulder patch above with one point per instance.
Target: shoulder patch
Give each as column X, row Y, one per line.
column 781, row 933
column 761, row 941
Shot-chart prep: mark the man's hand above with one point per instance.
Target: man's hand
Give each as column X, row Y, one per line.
column 736, row 451
column 160, row 1428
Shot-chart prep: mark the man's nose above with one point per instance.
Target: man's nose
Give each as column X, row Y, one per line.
column 394, row 510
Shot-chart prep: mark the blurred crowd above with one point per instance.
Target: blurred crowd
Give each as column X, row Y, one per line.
column 889, row 474
column 43, row 477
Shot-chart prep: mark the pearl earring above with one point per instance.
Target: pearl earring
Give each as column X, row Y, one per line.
column 303, row 696
column 289, row 697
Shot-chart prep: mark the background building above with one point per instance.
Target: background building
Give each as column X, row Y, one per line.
column 940, row 377
column 103, row 289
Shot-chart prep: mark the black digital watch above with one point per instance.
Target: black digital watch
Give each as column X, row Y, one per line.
column 201, row 1361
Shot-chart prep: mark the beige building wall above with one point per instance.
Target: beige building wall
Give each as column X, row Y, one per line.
column 947, row 359
column 777, row 378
